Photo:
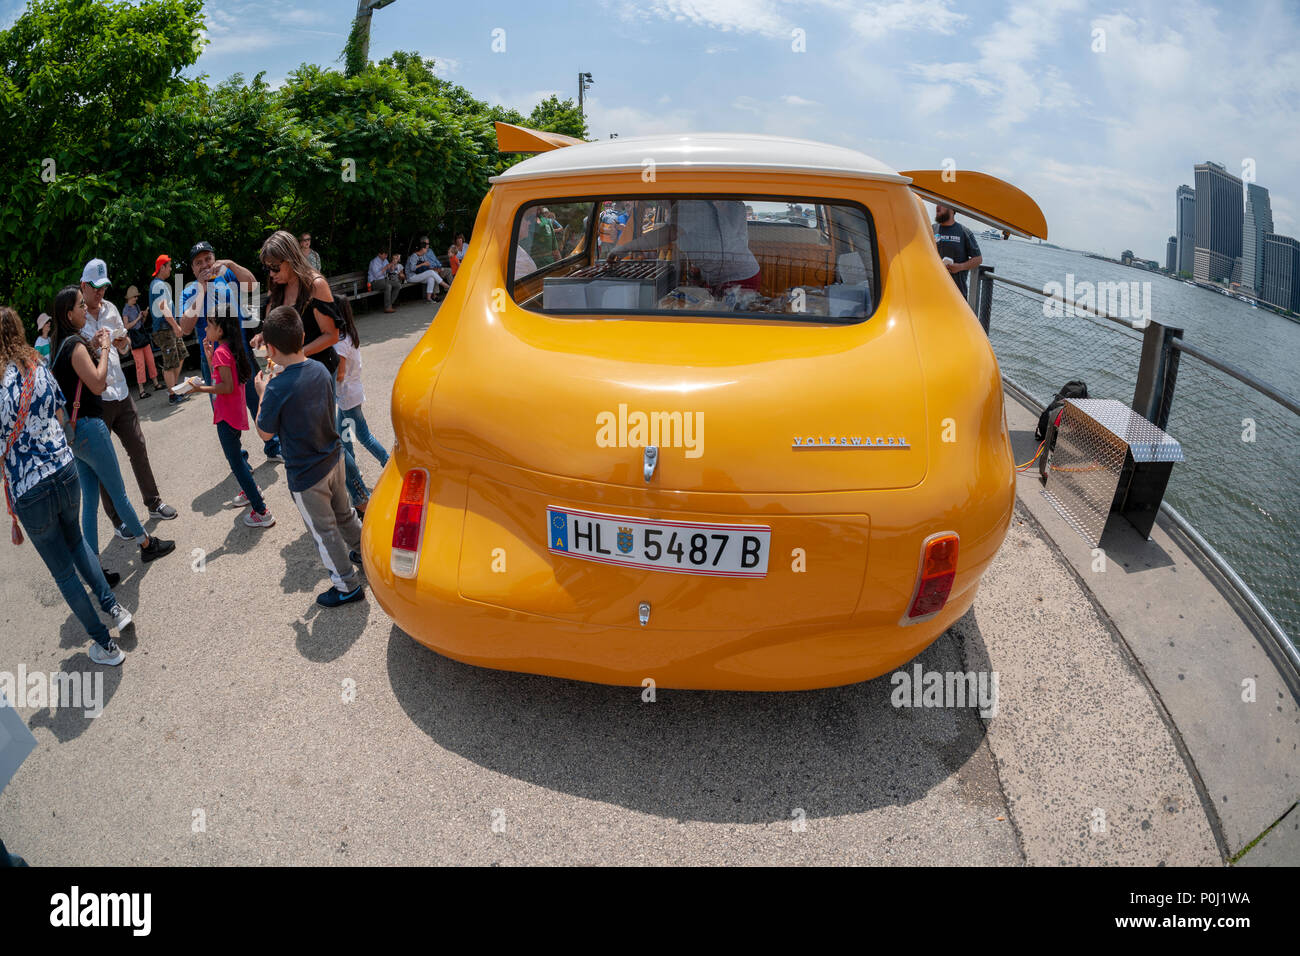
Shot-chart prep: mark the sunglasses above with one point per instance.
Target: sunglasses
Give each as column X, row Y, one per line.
column 272, row 267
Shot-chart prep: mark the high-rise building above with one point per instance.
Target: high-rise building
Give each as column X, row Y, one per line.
column 1281, row 285
column 1186, row 228
column 1218, row 222
column 1171, row 254
column 1257, row 221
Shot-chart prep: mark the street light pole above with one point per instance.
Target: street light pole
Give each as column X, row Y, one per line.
column 584, row 82
column 359, row 42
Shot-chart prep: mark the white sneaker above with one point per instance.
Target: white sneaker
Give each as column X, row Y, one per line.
column 120, row 615
column 111, row 655
column 239, row 501
column 263, row 520
column 122, row 533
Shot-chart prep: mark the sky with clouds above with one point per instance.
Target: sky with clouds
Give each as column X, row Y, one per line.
column 1098, row 110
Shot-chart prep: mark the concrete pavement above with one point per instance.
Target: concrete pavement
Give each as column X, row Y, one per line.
column 248, row 727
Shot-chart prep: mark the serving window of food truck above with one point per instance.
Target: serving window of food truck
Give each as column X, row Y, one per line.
column 764, row 257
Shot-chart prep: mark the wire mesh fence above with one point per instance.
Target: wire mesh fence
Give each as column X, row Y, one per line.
column 1239, row 485
column 1040, row 348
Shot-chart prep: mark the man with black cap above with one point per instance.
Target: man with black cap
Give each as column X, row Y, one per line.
column 119, row 413
column 215, row 291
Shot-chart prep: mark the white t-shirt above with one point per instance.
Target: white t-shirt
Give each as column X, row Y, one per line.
column 349, row 391
column 109, row 318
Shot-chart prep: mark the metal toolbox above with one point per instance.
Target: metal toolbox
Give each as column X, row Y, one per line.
column 1107, row 458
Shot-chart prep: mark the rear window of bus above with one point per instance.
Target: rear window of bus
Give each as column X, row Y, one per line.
column 764, row 258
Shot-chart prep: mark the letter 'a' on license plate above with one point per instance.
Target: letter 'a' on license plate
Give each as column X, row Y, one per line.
column 686, row 547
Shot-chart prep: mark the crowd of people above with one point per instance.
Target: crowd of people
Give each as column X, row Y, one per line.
column 388, row 275
column 64, row 398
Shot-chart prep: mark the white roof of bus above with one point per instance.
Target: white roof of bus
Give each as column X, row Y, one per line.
column 701, row 151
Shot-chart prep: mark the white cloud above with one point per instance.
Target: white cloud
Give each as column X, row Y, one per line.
column 525, row 100
column 773, row 18
column 630, row 121
column 932, row 98
column 878, row 20
column 744, row 16
column 444, row 66
column 244, row 26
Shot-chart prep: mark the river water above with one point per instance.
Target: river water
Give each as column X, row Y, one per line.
column 1240, row 486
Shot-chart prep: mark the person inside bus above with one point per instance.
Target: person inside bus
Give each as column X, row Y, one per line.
column 712, row 234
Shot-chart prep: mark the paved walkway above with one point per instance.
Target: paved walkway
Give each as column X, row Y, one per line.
column 246, row 727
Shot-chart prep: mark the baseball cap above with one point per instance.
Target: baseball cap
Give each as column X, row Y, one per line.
column 161, row 261
column 201, row 247
column 96, row 273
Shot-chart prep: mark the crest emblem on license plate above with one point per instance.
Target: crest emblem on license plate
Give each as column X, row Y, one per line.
column 625, row 540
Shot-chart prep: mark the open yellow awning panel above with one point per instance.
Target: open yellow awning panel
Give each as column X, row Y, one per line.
column 520, row 139
column 983, row 197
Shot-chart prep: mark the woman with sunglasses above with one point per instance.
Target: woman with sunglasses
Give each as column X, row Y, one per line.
column 294, row 282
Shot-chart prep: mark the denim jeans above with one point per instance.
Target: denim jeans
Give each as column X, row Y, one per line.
column 97, row 465
column 358, row 427
column 230, row 446
column 48, row 512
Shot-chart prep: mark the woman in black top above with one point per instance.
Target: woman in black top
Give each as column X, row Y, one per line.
column 81, row 369
column 296, row 283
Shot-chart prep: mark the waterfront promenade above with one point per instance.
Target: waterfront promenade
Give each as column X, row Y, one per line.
column 244, row 727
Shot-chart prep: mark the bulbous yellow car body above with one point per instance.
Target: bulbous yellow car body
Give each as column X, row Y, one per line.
column 863, row 462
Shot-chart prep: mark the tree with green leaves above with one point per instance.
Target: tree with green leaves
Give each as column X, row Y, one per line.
column 74, row 77
column 558, row 116
column 113, row 154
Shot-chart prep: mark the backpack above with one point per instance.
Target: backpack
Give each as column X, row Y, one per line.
column 1071, row 389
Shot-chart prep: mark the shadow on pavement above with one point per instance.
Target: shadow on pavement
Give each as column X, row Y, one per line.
column 303, row 571
column 326, row 635
column 68, row 723
column 411, row 316
column 693, row 755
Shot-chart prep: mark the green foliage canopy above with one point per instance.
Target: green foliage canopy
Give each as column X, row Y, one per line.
column 112, row 153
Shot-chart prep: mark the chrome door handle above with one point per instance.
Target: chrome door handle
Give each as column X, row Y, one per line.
column 651, row 459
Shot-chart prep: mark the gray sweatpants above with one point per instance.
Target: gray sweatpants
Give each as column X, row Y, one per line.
column 328, row 514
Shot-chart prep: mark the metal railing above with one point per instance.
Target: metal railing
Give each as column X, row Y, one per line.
column 1235, row 498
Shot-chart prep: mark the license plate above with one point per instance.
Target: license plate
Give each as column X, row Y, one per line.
column 686, row 547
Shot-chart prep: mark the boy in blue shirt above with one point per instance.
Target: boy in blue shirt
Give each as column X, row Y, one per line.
column 298, row 405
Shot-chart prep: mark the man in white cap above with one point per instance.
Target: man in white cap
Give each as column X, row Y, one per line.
column 119, row 411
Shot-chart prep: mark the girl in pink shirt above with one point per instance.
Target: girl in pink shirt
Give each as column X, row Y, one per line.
column 231, row 368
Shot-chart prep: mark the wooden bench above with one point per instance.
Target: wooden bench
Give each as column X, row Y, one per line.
column 353, row 286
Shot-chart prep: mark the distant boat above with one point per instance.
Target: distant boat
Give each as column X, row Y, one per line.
column 990, row 234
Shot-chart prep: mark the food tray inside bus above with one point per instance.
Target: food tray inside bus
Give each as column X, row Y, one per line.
column 623, row 285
